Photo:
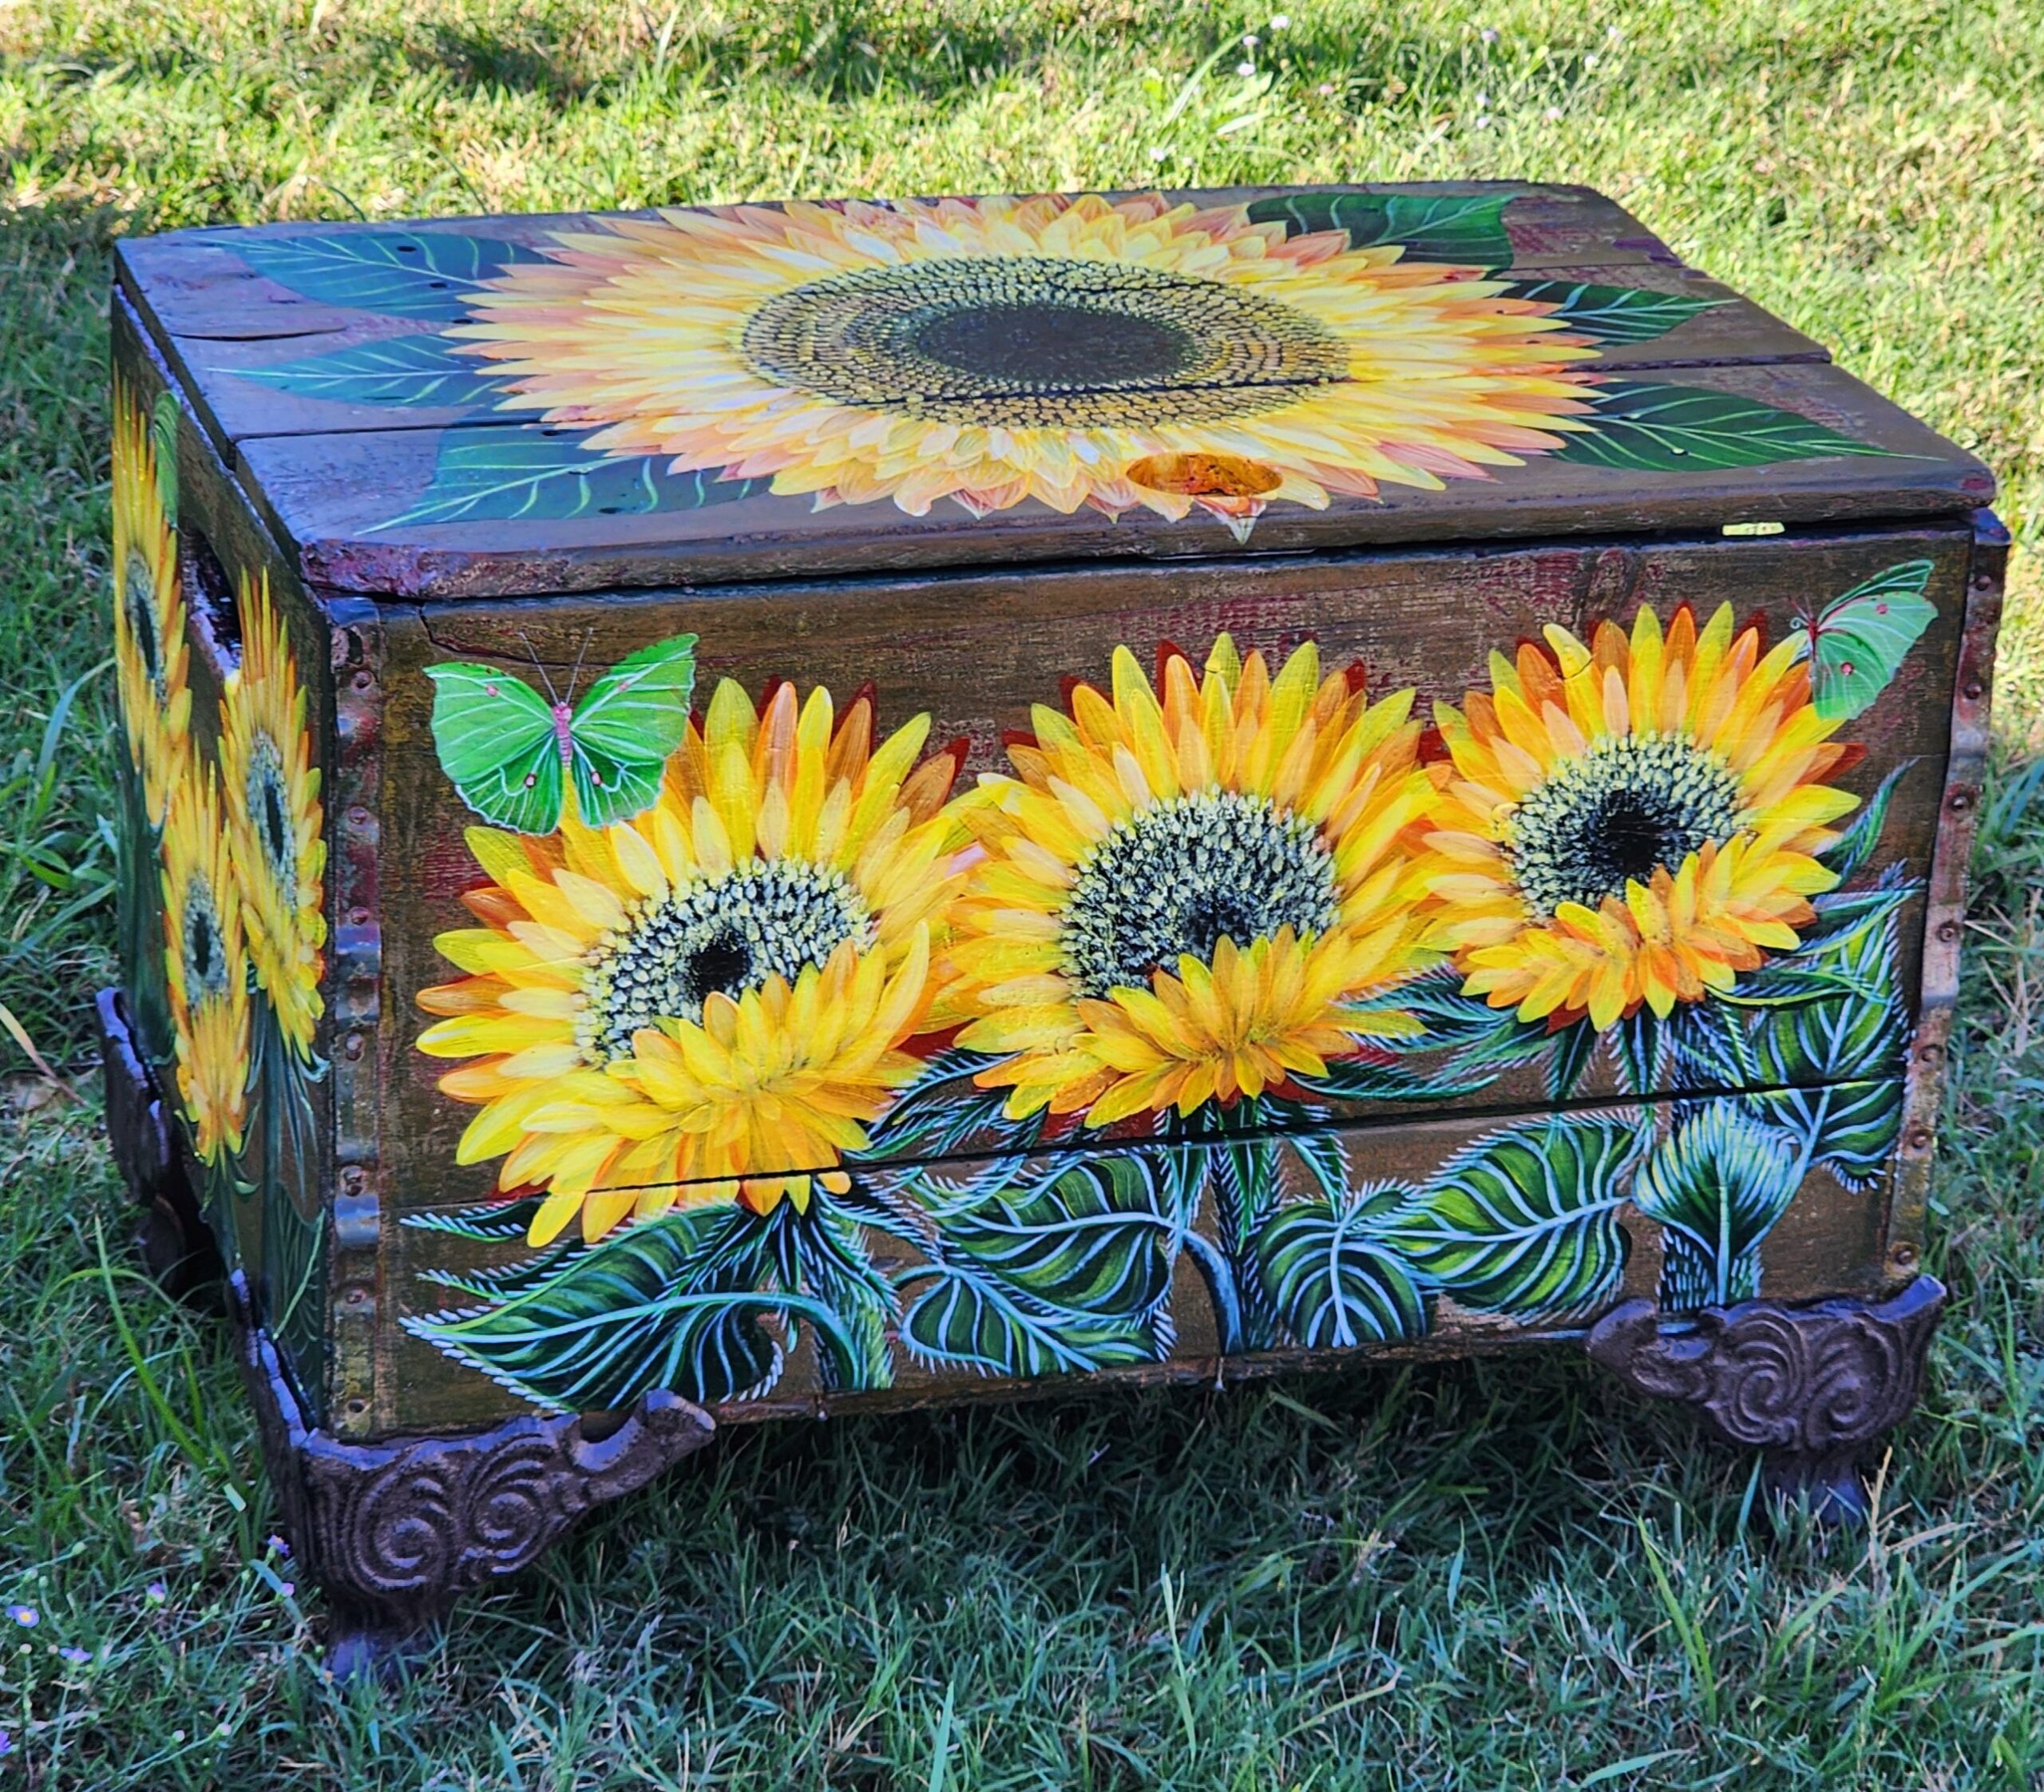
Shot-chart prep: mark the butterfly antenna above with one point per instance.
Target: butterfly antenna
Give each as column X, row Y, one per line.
column 552, row 696
column 576, row 673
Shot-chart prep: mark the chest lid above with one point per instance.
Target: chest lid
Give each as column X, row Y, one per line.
column 498, row 407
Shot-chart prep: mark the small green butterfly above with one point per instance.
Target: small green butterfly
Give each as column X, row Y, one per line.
column 1856, row 643
column 509, row 750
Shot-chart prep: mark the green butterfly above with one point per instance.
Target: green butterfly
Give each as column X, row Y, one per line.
column 1856, row 643
column 508, row 750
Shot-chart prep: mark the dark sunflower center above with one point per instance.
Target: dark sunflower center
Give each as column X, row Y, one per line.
column 204, row 947
column 1616, row 814
column 1181, row 877
column 138, row 598
column 722, row 936
column 269, row 807
column 1037, row 341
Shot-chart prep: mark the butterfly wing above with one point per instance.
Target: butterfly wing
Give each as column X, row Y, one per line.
column 496, row 741
column 1856, row 643
column 625, row 727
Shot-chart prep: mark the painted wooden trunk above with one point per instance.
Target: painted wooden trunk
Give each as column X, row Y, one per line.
column 776, row 809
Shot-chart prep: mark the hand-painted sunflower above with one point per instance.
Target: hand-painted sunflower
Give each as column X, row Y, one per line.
column 206, row 967
column 275, row 815
column 1633, row 821
column 149, row 650
column 720, row 985
column 1076, row 350
column 1189, row 899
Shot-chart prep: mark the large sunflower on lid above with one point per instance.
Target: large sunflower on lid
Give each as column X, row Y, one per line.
column 1192, row 897
column 721, row 985
column 1075, row 351
column 1632, row 822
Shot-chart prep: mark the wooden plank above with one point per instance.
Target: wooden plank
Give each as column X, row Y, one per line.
column 975, row 652
column 1103, row 1260
column 339, row 501
column 282, row 385
column 193, row 282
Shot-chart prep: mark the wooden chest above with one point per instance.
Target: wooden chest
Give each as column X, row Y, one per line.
column 771, row 810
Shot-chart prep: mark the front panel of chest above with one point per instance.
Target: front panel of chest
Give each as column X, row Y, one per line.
column 822, row 993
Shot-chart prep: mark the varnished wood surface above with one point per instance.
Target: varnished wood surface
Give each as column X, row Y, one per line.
column 330, row 498
column 191, row 283
column 1827, row 1243
column 236, row 402
column 975, row 652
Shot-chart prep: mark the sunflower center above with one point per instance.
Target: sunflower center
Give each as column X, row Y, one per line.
column 724, row 935
column 138, row 598
column 1615, row 813
column 1183, row 876
column 1040, row 342
column 269, row 807
column 204, row 946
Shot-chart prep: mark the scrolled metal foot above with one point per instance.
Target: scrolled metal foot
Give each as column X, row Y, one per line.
column 396, row 1533
column 1809, row 1386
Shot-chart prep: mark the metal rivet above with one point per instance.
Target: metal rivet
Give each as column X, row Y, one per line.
column 1960, row 801
column 1919, row 1138
column 357, row 1407
column 358, row 816
column 1929, row 1052
column 358, row 918
column 352, row 1045
column 357, row 1295
column 1948, row 931
column 1974, row 690
column 1904, row 1253
column 363, row 681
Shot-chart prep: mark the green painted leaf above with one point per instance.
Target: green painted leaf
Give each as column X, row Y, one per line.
column 1334, row 1276
column 1612, row 313
column 1851, row 1127
column 832, row 1264
column 422, row 369
column 163, row 439
column 508, row 473
column 1643, row 428
column 672, row 1302
column 1091, row 1239
column 1848, row 854
column 1464, row 228
column 1640, row 1044
column 1716, row 1186
column 1856, row 643
column 1525, row 1221
column 433, row 275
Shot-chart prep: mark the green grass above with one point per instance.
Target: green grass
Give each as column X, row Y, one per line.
column 1474, row 1576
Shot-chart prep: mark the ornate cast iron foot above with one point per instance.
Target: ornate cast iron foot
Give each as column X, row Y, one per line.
column 1809, row 1386
column 170, row 1236
column 395, row 1533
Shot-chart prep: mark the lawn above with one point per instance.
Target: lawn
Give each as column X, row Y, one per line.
column 1474, row 1576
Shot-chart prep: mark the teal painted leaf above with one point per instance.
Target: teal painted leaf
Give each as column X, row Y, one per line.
column 1525, row 1221
column 1612, row 313
column 502, row 1283
column 1574, row 1046
column 1334, row 1278
column 944, row 1111
column 672, row 1302
column 1855, row 644
column 831, row 1262
column 432, row 275
column 1716, row 1186
column 1848, row 854
column 1643, row 428
column 496, row 1222
column 961, row 1319
column 508, row 473
column 422, row 369
column 1640, row 1044
column 1464, row 228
